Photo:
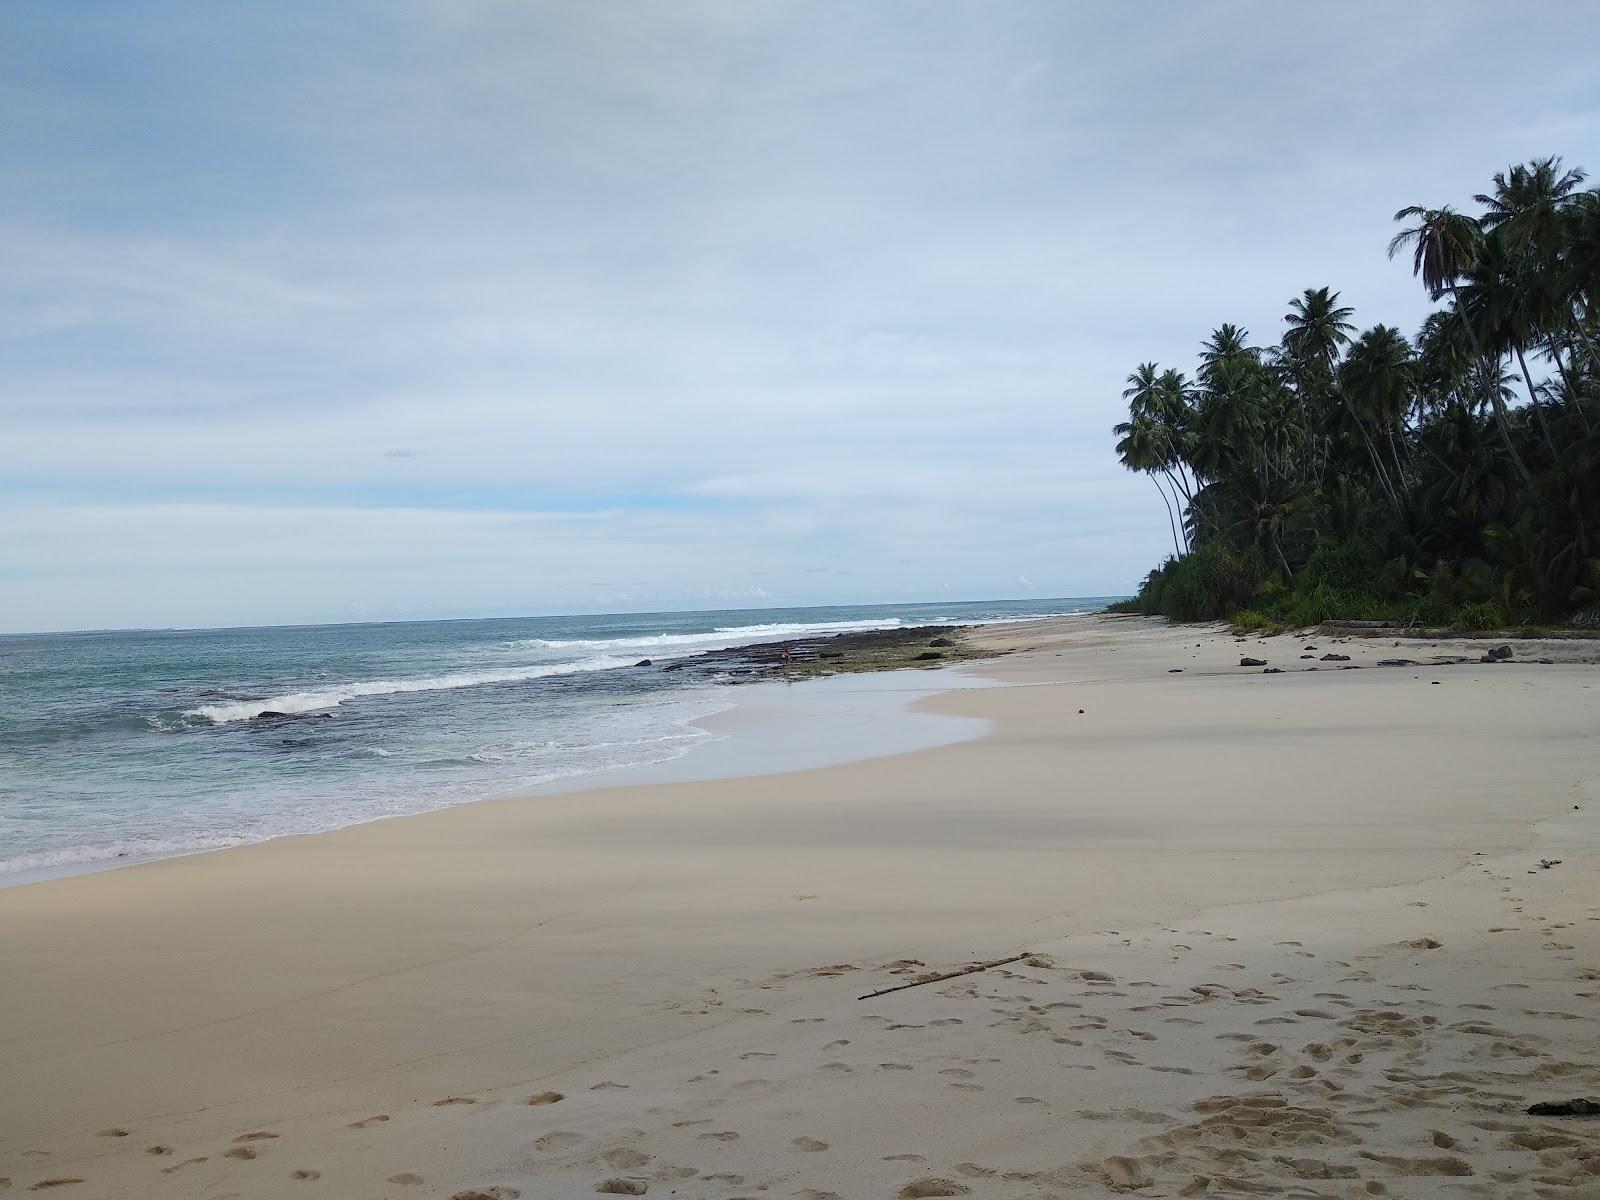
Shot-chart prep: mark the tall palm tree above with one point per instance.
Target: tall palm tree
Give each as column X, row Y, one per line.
column 1445, row 245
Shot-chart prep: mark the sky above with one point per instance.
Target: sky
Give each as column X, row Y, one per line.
column 450, row 308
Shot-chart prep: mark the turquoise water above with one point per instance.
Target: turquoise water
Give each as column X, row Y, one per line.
column 131, row 745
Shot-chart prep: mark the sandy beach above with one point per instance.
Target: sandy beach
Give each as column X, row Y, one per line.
column 1271, row 934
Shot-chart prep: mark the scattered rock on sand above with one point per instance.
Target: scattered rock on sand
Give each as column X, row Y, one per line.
column 1576, row 1107
column 1252, row 662
column 1498, row 654
column 1335, row 658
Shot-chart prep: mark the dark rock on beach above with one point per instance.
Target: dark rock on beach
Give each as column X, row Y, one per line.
column 1335, row 658
column 1252, row 662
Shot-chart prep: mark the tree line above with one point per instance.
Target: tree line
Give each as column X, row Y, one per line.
column 1444, row 478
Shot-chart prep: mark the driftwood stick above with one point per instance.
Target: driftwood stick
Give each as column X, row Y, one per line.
column 999, row 962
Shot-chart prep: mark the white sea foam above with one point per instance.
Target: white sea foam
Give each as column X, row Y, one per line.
column 323, row 698
column 723, row 637
column 134, row 849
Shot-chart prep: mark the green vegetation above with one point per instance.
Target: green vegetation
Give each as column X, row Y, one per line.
column 1449, row 479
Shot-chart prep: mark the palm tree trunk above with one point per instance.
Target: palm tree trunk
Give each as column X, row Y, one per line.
column 1533, row 399
column 1176, row 549
column 1490, row 390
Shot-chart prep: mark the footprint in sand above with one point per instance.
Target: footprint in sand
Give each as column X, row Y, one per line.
column 243, row 1153
column 545, row 1098
column 450, row 1100
column 726, row 1135
column 489, row 1193
column 903, row 1158
column 839, row 1045
column 112, row 1133
column 258, row 1136
column 607, row 1085
column 920, row 1188
column 188, row 1162
column 809, row 1144
column 561, row 1139
column 622, row 1187
column 894, row 1066
column 370, row 1121
column 974, row 1171
column 623, row 1159
column 405, row 1179
column 46, row 1184
column 756, row 1054
column 158, row 1150
column 305, row 1173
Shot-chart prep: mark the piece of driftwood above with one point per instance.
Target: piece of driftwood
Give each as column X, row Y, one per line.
column 999, row 962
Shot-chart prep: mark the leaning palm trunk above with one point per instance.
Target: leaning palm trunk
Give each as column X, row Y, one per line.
column 1493, row 393
column 1171, row 521
column 1533, row 399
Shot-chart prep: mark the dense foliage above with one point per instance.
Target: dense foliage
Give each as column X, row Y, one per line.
column 1452, row 477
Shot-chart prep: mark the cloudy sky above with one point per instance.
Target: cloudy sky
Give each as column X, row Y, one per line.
column 419, row 308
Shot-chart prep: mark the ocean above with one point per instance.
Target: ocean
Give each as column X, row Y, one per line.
column 131, row 745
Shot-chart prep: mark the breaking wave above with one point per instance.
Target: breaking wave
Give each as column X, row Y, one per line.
column 323, row 698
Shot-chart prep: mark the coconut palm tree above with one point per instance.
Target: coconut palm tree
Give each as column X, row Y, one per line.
column 1445, row 245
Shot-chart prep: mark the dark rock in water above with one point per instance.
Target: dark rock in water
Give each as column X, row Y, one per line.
column 1335, row 658
column 1305, row 656
column 1498, row 654
column 644, row 662
column 1577, row 1107
column 1252, row 662
column 271, row 714
column 676, row 666
column 1310, row 647
column 926, row 655
column 1397, row 662
column 941, row 641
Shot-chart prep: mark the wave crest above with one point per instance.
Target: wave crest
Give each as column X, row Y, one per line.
column 323, row 698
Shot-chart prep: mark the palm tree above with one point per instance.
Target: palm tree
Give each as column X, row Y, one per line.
column 1445, row 245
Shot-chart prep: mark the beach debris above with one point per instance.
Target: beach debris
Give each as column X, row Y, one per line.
column 1576, row 1107
column 940, row 977
column 1252, row 662
column 1546, row 863
column 1335, row 658
column 1498, row 654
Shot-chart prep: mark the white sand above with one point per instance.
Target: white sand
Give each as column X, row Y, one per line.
column 1286, row 941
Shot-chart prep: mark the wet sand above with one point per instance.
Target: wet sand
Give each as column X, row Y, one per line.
column 1284, row 934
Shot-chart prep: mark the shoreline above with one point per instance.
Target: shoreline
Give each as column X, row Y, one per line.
column 752, row 666
column 655, row 952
